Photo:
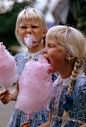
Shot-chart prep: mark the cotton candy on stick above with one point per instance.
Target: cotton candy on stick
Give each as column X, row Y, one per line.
column 8, row 69
column 35, row 87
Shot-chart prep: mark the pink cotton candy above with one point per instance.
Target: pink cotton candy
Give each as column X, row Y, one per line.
column 35, row 87
column 29, row 40
column 8, row 69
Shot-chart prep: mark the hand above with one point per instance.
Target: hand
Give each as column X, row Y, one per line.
column 5, row 96
column 26, row 124
column 84, row 125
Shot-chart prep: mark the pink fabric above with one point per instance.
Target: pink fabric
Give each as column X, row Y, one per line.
column 35, row 87
column 8, row 69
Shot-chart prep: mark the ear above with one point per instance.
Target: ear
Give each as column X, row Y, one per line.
column 44, row 32
column 70, row 58
column 17, row 32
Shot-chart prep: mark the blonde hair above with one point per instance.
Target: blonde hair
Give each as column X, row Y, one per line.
column 30, row 14
column 74, row 43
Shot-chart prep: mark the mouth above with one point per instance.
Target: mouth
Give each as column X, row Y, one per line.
column 32, row 38
column 47, row 59
column 50, row 70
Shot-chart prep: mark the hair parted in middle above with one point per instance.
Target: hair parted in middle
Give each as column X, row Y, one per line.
column 30, row 14
column 74, row 43
column 70, row 38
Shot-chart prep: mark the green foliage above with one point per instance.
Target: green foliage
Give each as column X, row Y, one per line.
column 78, row 11
column 7, row 25
column 75, row 6
column 82, row 18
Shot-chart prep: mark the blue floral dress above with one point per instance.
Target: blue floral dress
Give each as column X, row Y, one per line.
column 18, row 117
column 77, row 112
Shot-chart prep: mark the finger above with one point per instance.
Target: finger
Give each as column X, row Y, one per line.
column 25, row 124
column 4, row 101
column 4, row 92
column 2, row 97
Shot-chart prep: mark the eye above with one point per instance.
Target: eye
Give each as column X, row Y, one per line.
column 34, row 26
column 50, row 46
column 23, row 27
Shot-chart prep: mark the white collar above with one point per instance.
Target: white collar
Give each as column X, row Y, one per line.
column 31, row 56
column 66, row 81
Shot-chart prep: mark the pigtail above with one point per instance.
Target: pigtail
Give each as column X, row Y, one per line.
column 77, row 65
column 69, row 100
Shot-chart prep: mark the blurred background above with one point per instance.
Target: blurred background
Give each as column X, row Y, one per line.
column 69, row 12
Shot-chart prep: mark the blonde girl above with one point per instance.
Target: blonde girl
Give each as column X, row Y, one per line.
column 29, row 21
column 65, row 50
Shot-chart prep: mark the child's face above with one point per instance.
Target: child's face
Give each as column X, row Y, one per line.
column 31, row 27
column 53, row 52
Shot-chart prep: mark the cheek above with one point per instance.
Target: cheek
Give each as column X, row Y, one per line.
column 53, row 61
column 22, row 35
column 53, row 57
column 56, row 60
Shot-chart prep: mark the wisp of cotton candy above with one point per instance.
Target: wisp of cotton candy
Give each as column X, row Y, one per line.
column 35, row 87
column 29, row 39
column 8, row 69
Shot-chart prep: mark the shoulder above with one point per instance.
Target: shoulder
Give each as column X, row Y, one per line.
column 80, row 84
column 19, row 56
column 81, row 81
column 55, row 87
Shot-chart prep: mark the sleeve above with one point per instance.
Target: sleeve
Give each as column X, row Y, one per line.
column 16, row 56
column 49, row 106
column 84, row 90
column 16, row 60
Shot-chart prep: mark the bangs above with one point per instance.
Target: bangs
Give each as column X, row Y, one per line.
column 51, row 35
column 58, row 34
column 30, row 14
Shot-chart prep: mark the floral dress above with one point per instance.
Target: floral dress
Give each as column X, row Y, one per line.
column 77, row 111
column 18, row 117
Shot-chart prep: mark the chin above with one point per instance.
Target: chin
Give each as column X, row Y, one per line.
column 51, row 71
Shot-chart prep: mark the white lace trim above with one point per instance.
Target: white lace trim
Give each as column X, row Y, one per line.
column 31, row 56
column 70, row 119
column 65, row 82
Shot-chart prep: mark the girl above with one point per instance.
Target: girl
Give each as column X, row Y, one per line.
column 65, row 50
column 29, row 21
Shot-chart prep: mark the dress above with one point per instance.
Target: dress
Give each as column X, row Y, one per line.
column 18, row 117
column 77, row 112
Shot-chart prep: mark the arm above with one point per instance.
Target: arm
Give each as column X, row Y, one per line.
column 47, row 124
column 6, row 96
column 26, row 124
column 84, row 125
column 15, row 93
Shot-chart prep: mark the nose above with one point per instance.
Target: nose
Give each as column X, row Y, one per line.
column 45, row 50
column 28, row 31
